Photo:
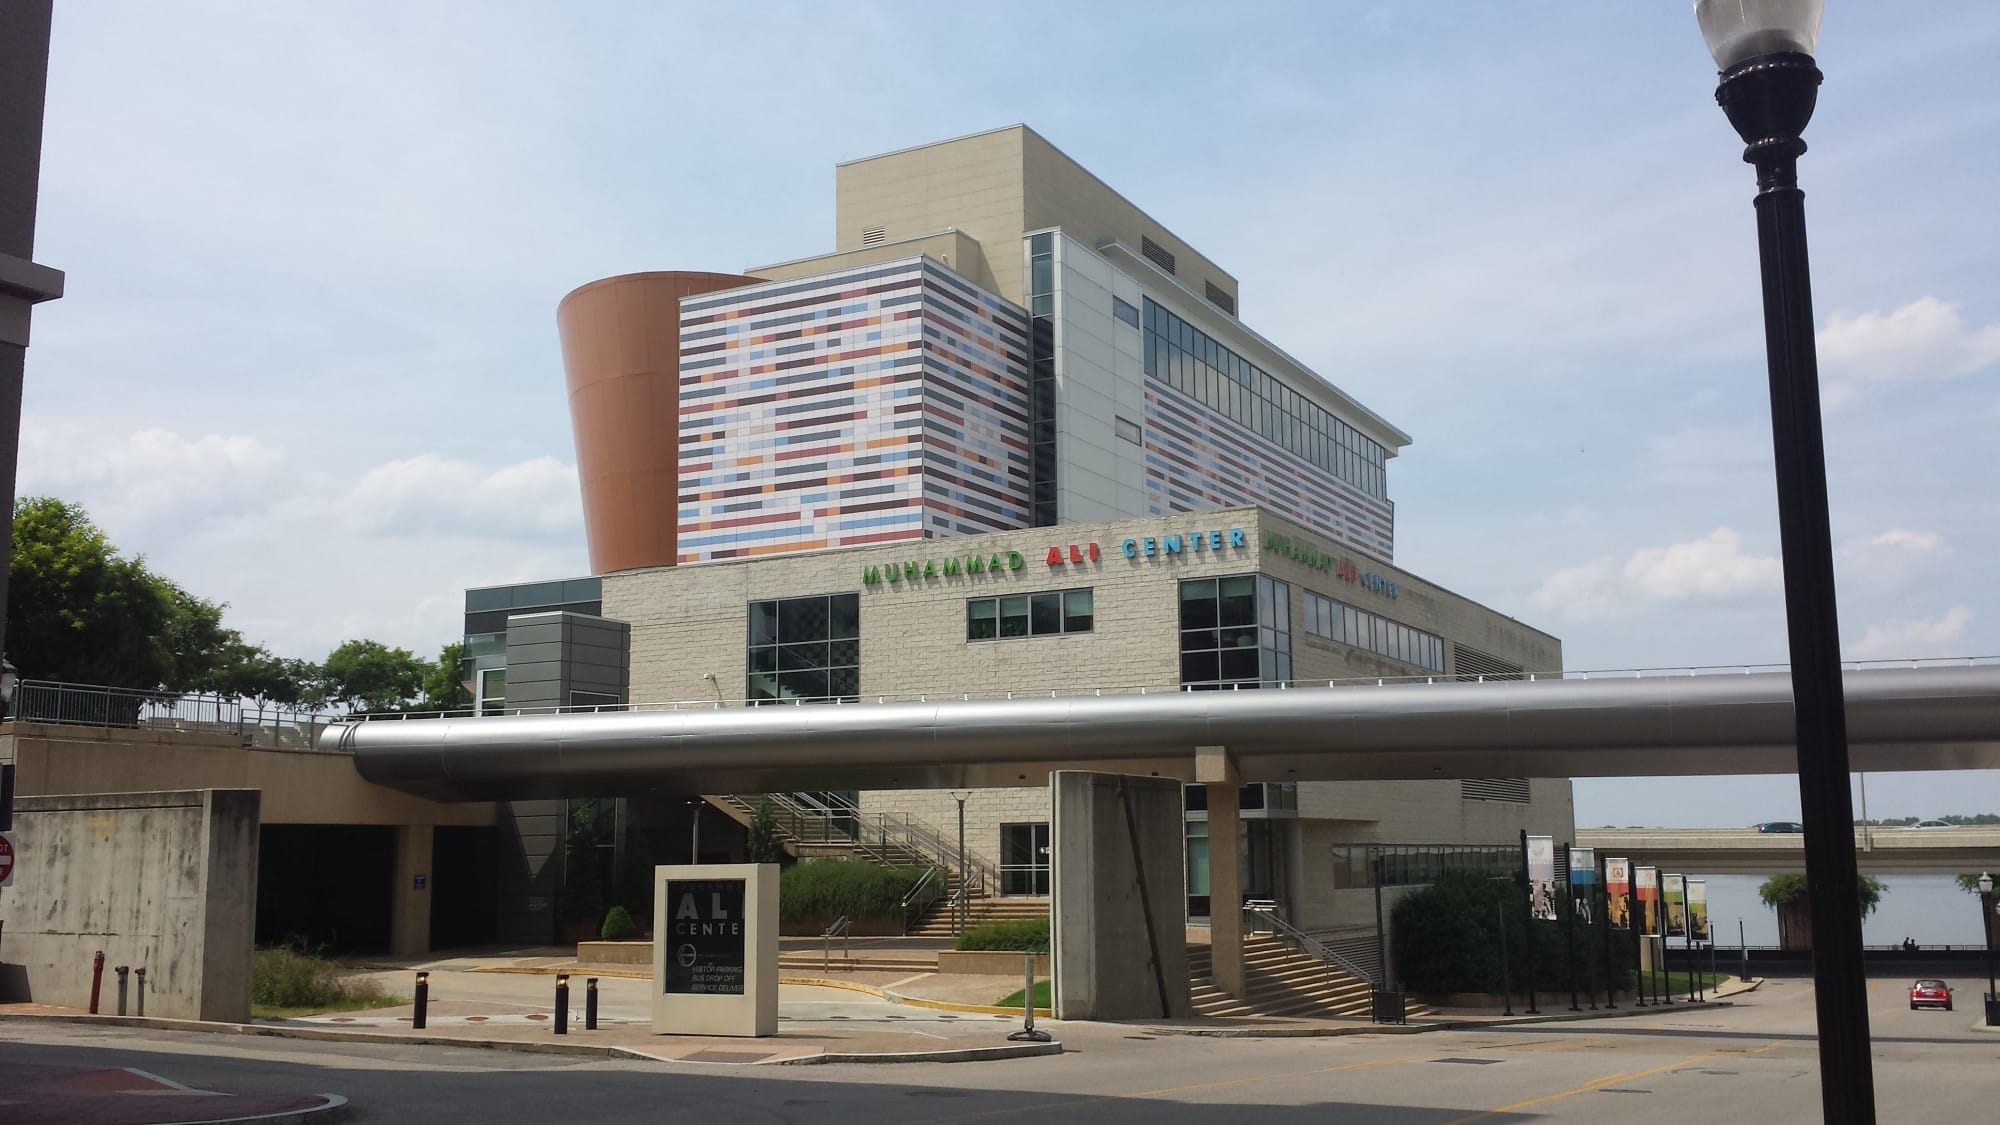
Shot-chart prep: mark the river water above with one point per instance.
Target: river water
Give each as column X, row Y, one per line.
column 1930, row 909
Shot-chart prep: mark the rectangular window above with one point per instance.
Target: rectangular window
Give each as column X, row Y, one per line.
column 1130, row 431
column 1024, row 859
column 804, row 649
column 1124, row 312
column 1029, row 615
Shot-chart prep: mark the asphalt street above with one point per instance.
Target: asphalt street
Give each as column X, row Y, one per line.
column 1753, row 1062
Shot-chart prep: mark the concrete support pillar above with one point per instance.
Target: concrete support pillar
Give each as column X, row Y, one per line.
column 1214, row 769
column 410, row 908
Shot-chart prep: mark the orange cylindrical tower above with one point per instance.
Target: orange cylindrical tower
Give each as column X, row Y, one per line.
column 621, row 359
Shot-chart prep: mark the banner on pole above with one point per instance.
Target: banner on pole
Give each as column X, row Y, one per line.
column 1583, row 883
column 1698, row 908
column 1542, row 878
column 1617, row 884
column 1647, row 880
column 1673, row 890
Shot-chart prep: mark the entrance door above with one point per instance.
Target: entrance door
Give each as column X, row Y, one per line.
column 1024, row 859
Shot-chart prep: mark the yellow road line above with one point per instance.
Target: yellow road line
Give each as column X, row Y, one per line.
column 987, row 1115
column 1597, row 1084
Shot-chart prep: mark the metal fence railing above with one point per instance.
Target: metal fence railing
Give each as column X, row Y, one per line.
column 94, row 705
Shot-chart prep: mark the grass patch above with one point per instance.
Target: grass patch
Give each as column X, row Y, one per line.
column 1677, row 985
column 1042, row 997
column 296, row 980
column 350, row 1004
column 1024, row 935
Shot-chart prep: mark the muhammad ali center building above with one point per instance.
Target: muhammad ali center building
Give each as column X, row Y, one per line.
column 1012, row 435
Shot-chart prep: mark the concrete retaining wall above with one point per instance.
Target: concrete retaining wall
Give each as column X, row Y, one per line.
column 163, row 881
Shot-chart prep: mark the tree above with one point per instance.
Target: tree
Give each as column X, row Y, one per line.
column 79, row 612
column 1968, row 883
column 1785, row 890
column 367, row 675
column 764, row 845
column 444, row 683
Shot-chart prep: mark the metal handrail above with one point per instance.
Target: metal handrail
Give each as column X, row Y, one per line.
column 1305, row 942
column 841, row 928
column 928, row 890
column 99, row 705
column 1087, row 690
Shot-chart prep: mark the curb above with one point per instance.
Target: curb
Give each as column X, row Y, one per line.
column 334, row 1108
column 963, row 1054
column 526, row 1046
column 1426, row 1026
column 950, row 1006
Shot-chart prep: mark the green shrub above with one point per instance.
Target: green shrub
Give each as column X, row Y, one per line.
column 1024, row 935
column 1447, row 939
column 294, row 976
column 618, row 925
column 825, row 889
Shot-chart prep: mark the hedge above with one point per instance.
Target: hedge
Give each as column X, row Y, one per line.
column 1446, row 939
column 824, row 889
column 1023, row 935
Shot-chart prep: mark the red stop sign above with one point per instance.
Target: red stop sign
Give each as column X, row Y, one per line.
column 6, row 858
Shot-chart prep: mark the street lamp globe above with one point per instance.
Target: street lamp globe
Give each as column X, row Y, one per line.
column 1739, row 30
column 1985, row 884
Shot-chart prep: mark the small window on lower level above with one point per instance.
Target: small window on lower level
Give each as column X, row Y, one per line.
column 1125, row 312
column 1131, row 431
column 1030, row 615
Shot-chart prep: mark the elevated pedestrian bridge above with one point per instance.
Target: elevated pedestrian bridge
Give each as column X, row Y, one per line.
column 1967, row 849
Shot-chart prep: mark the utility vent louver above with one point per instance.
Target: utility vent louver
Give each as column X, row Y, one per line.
column 1471, row 664
column 1220, row 297
column 874, row 236
column 1156, row 254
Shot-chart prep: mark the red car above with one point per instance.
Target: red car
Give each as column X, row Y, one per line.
column 1934, row 992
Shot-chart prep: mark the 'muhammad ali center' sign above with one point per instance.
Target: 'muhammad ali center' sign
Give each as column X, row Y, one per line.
column 1211, row 541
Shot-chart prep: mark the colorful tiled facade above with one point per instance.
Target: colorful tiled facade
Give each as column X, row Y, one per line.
column 867, row 405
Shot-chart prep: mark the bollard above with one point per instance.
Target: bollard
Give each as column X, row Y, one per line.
column 122, row 971
column 423, row 1001
column 96, row 979
column 1028, row 1033
column 140, row 973
column 590, row 1003
column 562, row 1003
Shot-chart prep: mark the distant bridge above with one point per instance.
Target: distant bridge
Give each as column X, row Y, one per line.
column 1966, row 849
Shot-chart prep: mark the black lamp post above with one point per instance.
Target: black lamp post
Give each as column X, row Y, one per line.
column 1992, row 1005
column 1768, row 86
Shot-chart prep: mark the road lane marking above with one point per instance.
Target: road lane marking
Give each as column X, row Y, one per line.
column 1596, row 1084
column 987, row 1115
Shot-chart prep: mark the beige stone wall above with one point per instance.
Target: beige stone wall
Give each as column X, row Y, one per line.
column 298, row 786
column 994, row 186
column 954, row 248
column 689, row 620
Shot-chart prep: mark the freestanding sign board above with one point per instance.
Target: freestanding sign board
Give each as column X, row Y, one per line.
column 715, row 949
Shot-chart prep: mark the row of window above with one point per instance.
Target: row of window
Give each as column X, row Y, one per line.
column 1030, row 615
column 1338, row 621
column 1235, row 631
column 1187, row 359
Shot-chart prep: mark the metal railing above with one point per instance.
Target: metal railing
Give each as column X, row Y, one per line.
column 1269, row 914
column 929, row 889
column 716, row 703
column 843, row 929
column 96, row 705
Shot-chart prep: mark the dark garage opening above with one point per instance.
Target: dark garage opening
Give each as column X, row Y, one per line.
column 465, row 887
column 326, row 885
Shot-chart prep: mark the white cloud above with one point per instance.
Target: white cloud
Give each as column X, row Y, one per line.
column 438, row 493
column 1711, row 568
column 1925, row 339
column 151, row 474
column 1922, row 637
column 1921, row 542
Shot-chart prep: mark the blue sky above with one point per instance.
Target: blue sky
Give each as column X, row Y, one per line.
column 307, row 361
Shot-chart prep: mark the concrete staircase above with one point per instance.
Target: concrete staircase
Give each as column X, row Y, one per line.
column 1280, row 981
column 941, row 920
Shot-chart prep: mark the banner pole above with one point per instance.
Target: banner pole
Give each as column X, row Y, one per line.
column 1604, row 931
column 1569, row 927
column 1528, row 909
